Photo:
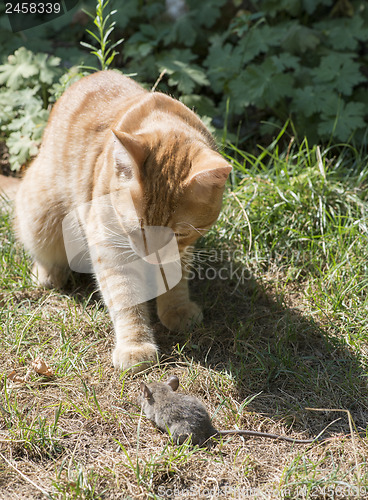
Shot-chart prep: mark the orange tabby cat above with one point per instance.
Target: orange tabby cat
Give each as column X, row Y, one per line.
column 107, row 137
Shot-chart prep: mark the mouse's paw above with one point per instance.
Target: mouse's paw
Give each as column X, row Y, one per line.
column 182, row 317
column 134, row 355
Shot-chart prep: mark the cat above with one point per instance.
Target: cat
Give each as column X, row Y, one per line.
column 107, row 136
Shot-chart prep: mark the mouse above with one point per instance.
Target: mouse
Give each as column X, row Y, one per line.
column 184, row 415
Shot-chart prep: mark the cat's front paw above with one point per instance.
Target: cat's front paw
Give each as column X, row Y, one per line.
column 137, row 356
column 181, row 318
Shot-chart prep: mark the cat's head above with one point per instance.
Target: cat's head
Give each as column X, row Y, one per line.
column 174, row 181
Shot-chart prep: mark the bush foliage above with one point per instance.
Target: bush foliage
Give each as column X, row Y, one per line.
column 247, row 66
column 30, row 83
column 24, row 97
column 271, row 60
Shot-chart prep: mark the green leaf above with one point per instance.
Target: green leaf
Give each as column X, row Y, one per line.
column 314, row 99
column 183, row 31
column 259, row 39
column 285, row 61
column 311, row 5
column 48, row 67
column 92, row 35
column 87, row 45
column 142, row 43
column 339, row 69
column 347, row 119
column 262, row 85
column 300, row 39
column 11, row 103
column 128, row 10
column 20, row 67
column 344, row 33
column 183, row 75
column 224, row 62
column 272, row 7
column 21, row 148
column 23, row 65
column 206, row 13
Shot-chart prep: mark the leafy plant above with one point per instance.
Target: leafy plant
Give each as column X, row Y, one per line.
column 104, row 52
column 28, row 85
column 302, row 62
column 277, row 60
column 288, row 63
column 25, row 81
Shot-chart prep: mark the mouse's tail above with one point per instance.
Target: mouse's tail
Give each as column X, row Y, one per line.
column 266, row 435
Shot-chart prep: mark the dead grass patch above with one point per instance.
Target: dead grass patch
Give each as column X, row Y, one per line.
column 80, row 434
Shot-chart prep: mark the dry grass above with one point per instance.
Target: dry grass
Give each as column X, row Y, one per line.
column 266, row 352
column 81, row 435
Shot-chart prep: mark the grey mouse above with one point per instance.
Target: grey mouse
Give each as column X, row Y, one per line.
column 185, row 416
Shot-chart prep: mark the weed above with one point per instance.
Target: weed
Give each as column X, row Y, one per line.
column 104, row 51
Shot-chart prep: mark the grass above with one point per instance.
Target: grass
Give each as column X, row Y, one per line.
column 282, row 278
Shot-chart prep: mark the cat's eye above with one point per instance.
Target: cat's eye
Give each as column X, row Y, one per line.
column 181, row 235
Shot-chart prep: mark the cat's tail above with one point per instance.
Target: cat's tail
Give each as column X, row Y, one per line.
column 8, row 187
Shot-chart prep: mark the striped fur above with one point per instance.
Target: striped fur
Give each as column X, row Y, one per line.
column 105, row 134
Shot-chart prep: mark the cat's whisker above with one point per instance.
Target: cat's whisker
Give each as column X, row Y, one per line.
column 119, row 240
column 115, row 233
column 199, row 230
column 126, row 248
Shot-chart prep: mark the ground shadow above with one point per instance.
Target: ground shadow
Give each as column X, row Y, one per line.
column 271, row 348
column 274, row 350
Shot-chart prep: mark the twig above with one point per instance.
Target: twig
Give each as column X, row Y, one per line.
column 288, row 149
column 325, row 429
column 24, row 476
column 162, row 74
column 351, row 424
column 247, row 219
column 12, row 440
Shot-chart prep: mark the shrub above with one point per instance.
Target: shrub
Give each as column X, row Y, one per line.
column 304, row 60
column 26, row 79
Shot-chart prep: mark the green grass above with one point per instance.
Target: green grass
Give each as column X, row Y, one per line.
column 284, row 332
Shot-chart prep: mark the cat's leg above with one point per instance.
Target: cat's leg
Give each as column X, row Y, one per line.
column 38, row 226
column 175, row 309
column 135, row 345
column 50, row 268
column 49, row 275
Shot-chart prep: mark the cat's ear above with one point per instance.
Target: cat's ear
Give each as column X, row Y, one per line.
column 211, row 175
column 129, row 154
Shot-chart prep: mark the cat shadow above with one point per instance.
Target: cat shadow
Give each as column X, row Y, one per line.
column 82, row 287
column 282, row 360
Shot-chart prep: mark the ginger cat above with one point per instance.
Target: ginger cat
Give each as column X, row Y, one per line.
column 107, row 135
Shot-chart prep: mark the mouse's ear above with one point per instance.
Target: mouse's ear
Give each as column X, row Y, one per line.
column 145, row 391
column 173, row 382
